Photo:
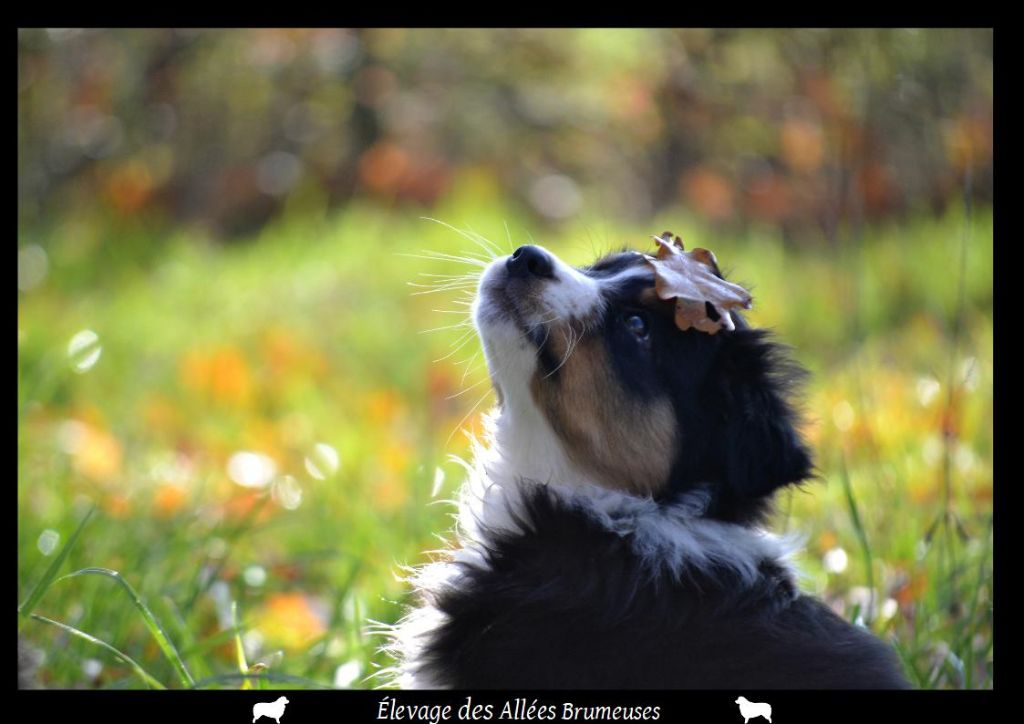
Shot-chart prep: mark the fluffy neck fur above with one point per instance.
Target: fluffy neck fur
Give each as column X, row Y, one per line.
column 670, row 538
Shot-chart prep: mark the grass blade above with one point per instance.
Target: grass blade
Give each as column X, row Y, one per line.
column 151, row 682
column 909, row 665
column 862, row 536
column 25, row 609
column 243, row 666
column 187, row 645
column 162, row 640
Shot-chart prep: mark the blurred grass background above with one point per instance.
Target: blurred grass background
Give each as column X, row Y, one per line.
column 220, row 352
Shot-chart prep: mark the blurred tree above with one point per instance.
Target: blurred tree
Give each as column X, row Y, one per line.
column 797, row 128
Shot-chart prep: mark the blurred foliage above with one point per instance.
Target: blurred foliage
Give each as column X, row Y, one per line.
column 264, row 427
column 268, row 424
column 793, row 128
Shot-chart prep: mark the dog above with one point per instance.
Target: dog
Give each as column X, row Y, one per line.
column 609, row 532
column 752, row 709
column 271, row 709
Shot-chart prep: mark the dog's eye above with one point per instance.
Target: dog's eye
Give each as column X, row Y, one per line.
column 637, row 324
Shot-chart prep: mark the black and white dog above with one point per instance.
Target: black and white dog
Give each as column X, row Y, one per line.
column 609, row 528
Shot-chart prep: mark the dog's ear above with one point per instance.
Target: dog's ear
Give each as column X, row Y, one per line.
column 762, row 447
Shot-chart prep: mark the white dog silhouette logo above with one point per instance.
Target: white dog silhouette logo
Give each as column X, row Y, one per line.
column 271, row 709
column 752, row 709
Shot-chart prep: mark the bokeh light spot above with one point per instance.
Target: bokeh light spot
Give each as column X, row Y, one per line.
column 255, row 576
column 84, row 350
column 48, row 541
column 927, row 390
column 835, row 560
column 287, row 492
column 251, row 469
column 33, row 266
column 556, row 196
column 843, row 415
column 346, row 674
column 323, row 461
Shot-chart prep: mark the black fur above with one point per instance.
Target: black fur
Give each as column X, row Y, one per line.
column 568, row 604
column 730, row 392
column 565, row 603
column 742, row 427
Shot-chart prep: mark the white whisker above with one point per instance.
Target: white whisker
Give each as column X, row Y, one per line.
column 438, row 289
column 485, row 243
column 443, row 285
column 465, row 235
column 466, row 417
column 469, row 259
column 460, row 393
column 574, row 341
column 460, row 325
column 470, row 274
column 508, row 234
column 462, row 340
column 469, row 367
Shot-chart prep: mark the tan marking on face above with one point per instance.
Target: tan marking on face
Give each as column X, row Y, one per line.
column 624, row 443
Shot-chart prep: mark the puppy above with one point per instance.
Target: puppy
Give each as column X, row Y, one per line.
column 609, row 531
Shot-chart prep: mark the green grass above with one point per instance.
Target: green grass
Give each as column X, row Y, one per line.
column 310, row 334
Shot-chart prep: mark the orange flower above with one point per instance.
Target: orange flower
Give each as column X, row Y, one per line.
column 96, row 454
column 912, row 590
column 230, row 380
column 222, row 374
column 292, row 620
column 168, row 499
column 240, row 506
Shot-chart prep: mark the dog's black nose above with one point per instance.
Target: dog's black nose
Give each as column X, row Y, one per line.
column 530, row 261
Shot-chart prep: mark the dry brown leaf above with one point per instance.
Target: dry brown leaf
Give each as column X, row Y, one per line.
column 703, row 298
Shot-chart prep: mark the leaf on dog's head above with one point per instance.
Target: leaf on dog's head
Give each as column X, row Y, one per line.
column 703, row 298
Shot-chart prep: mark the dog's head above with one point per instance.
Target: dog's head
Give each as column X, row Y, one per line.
column 596, row 382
